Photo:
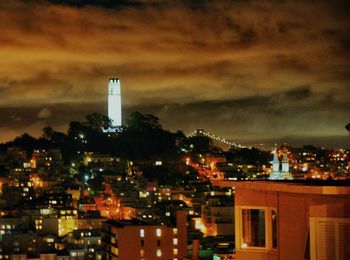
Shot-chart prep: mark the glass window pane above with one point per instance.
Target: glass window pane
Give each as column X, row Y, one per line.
column 253, row 228
column 274, row 228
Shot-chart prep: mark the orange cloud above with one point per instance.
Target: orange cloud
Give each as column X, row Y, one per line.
column 169, row 52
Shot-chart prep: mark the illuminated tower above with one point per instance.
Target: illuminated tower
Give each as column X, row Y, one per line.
column 285, row 163
column 285, row 167
column 114, row 103
column 275, row 174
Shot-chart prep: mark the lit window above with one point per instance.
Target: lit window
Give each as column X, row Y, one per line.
column 159, row 252
column 142, row 252
column 114, row 250
column 175, row 231
column 253, row 228
column 175, row 241
column 142, row 233
column 159, row 232
column 175, row 251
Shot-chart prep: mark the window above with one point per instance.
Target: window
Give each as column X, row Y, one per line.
column 175, row 231
column 142, row 252
column 114, row 250
column 274, row 228
column 159, row 252
column 329, row 238
column 142, row 233
column 158, row 242
column 159, row 232
column 175, row 241
column 257, row 228
column 142, row 243
column 175, row 251
column 253, row 228
column 114, row 241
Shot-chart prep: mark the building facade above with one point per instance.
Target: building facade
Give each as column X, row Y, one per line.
column 291, row 220
column 134, row 239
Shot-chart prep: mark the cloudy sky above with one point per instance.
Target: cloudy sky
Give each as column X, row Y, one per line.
column 240, row 69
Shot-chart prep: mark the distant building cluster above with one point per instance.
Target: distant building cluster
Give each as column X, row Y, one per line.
column 200, row 202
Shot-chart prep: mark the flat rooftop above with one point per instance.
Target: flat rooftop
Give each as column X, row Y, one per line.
column 132, row 222
column 327, row 187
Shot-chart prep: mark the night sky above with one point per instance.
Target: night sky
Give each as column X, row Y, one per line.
column 245, row 70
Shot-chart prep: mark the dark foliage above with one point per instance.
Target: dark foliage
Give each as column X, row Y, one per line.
column 248, row 156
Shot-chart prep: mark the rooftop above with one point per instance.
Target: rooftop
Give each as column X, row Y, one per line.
column 123, row 223
column 329, row 187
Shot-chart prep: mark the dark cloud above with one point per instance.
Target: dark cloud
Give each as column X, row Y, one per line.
column 101, row 3
column 226, row 65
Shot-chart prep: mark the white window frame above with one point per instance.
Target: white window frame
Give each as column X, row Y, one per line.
column 268, row 228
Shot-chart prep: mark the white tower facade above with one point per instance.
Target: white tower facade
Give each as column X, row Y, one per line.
column 285, row 163
column 277, row 173
column 114, row 102
column 275, row 162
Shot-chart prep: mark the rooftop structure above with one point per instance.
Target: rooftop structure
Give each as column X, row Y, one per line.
column 136, row 239
column 291, row 220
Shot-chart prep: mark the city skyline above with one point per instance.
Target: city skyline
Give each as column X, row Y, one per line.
column 246, row 71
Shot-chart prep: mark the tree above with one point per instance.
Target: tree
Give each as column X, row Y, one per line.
column 200, row 144
column 144, row 138
column 48, row 132
column 142, row 123
column 99, row 122
column 29, row 143
column 248, row 156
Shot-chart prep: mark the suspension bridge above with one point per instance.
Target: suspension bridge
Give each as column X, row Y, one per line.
column 201, row 132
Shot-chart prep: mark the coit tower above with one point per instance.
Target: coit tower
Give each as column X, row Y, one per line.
column 114, row 103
